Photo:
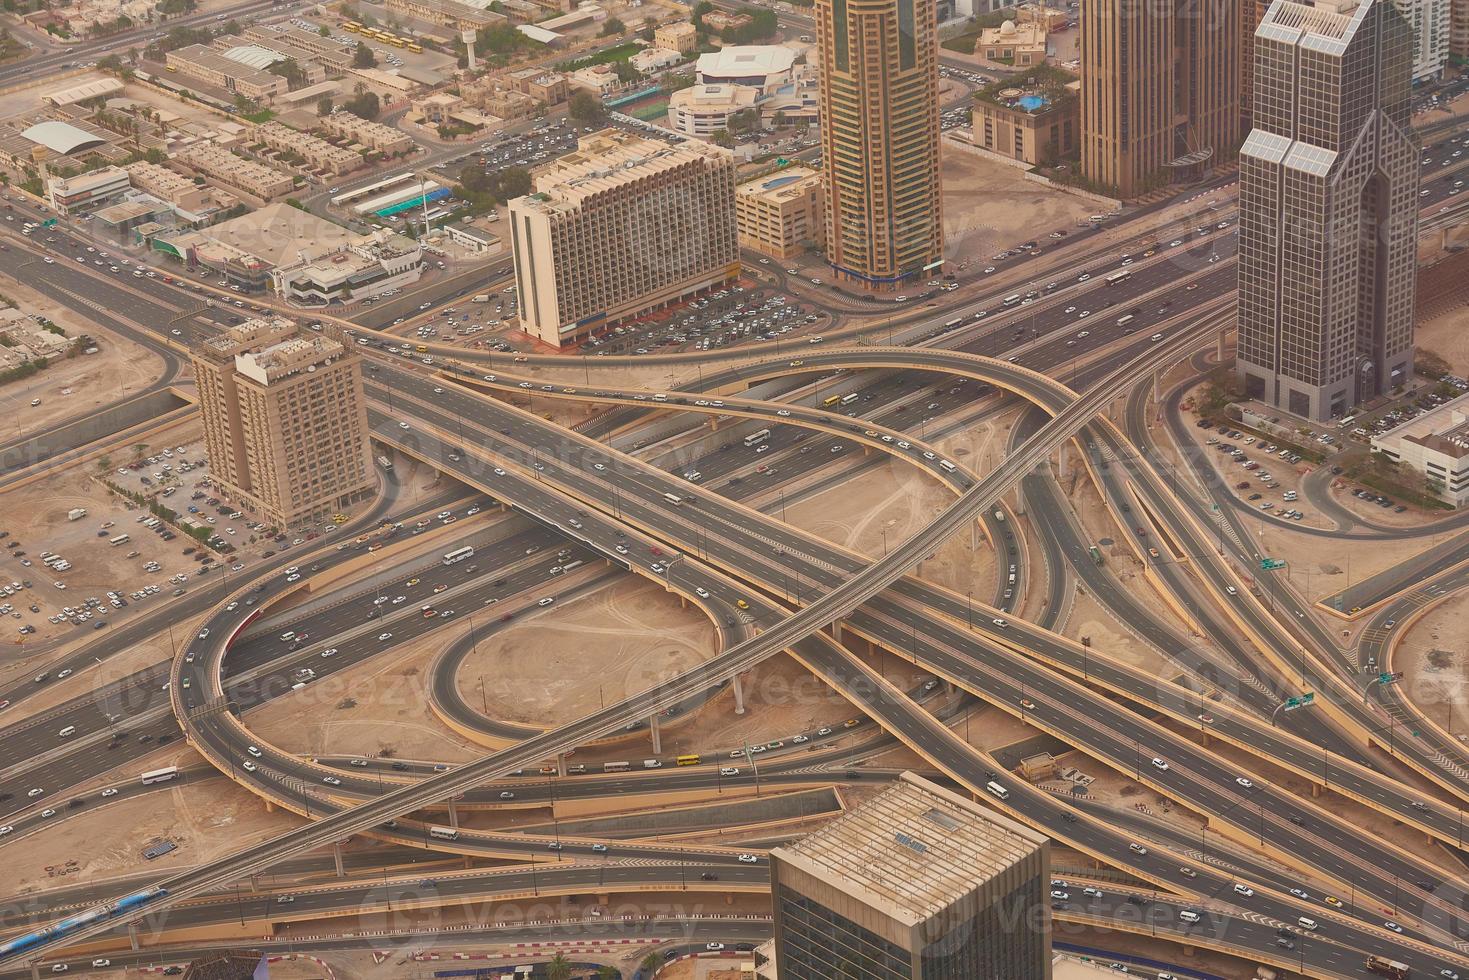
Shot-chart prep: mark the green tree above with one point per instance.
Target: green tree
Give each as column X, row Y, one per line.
column 364, row 103
column 291, row 71
column 559, row 968
column 721, row 137
column 324, row 31
column 586, row 108
column 612, row 26
column 625, row 72
column 363, row 57
column 324, row 106
column 650, row 963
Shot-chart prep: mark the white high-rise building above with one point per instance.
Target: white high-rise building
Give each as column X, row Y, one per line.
column 1432, row 27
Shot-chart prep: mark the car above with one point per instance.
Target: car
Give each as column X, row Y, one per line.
column 1160, row 764
column 385, row 636
column 110, row 791
column 1206, row 718
column 1244, row 782
column 1301, row 894
column 1027, row 704
column 101, row 962
column 1242, row 889
column 748, row 859
column 716, row 947
column 1137, row 848
column 507, row 795
column 1333, row 901
column 285, row 899
column 48, row 813
column 600, row 848
column 33, row 793
column 329, row 652
column 1060, row 895
column 729, row 771
column 1000, row 623
column 1393, row 926
column 1448, row 974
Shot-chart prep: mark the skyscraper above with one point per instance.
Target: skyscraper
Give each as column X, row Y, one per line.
column 880, row 137
column 1160, row 82
column 1328, row 208
column 1431, row 23
column 918, row 883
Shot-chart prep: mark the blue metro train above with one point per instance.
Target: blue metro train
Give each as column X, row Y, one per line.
column 81, row 919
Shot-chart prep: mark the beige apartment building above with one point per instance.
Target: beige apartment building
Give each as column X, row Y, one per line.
column 317, row 152
column 365, row 132
column 680, row 36
column 622, row 226
column 235, row 172
column 446, row 13
column 166, row 185
column 541, row 84
column 285, row 421
column 880, row 135
column 780, row 214
column 1159, row 91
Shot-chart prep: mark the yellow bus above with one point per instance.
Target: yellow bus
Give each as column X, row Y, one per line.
column 689, row 760
column 351, row 27
column 415, row 48
column 397, row 42
column 832, row 400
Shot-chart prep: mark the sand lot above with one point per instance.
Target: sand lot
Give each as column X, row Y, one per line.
column 1448, row 337
column 1434, row 658
column 205, row 820
column 563, row 663
column 989, row 206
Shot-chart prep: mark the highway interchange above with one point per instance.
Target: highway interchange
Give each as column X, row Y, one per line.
column 795, row 583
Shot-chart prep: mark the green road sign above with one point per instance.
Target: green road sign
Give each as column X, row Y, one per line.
column 1271, row 564
column 781, row 161
column 1304, row 701
column 49, row 223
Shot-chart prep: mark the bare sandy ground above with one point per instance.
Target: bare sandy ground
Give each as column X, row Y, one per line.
column 989, row 206
column 561, row 664
column 205, row 821
column 1432, row 655
column 1448, row 337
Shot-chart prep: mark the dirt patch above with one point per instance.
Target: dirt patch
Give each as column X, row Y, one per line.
column 204, row 820
column 990, row 206
column 1431, row 654
column 577, row 656
column 1447, row 335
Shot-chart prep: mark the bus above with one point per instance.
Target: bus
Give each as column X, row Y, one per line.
column 615, row 767
column 160, row 775
column 832, row 400
column 351, row 27
column 443, row 833
column 1012, row 300
column 756, row 438
column 954, row 322
column 1384, row 967
column 1118, row 277
column 689, row 760
column 849, row 399
column 415, row 48
column 384, row 462
column 120, row 539
column 1096, row 555
column 457, row 555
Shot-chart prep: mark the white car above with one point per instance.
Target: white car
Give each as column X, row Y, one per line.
column 329, row 652
column 749, row 859
column 1244, row 782
column 110, row 791
column 385, row 636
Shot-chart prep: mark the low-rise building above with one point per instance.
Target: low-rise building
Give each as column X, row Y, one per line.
column 1435, row 446
column 702, row 110
column 446, row 13
column 763, row 67
column 597, row 79
column 508, row 104
column 549, row 87
column 781, row 214
column 1021, row 45
column 169, row 186
column 205, row 64
column 373, row 135
column 353, row 273
column 317, row 153
column 718, row 20
column 26, row 337
column 438, row 108
column 680, row 36
column 235, row 172
column 1038, row 128
column 650, row 60
column 472, row 239
column 88, row 191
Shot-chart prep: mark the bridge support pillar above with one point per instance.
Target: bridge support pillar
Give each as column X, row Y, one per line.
column 739, row 693
column 866, row 449
column 1061, row 461
column 269, row 807
column 683, row 601
column 453, row 815
column 1315, row 790
column 35, row 970
column 337, row 859
column 133, row 936
column 657, row 735
column 714, row 423
column 561, row 764
column 1157, row 385
column 1220, row 350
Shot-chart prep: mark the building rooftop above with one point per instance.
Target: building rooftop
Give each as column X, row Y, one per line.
column 1445, row 429
column 86, row 90
column 253, row 333
column 913, row 850
column 286, row 358
column 279, row 234
column 792, row 182
column 62, row 137
column 609, row 159
column 744, row 60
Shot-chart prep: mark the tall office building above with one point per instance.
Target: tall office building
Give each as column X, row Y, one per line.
column 1160, row 83
column 918, row 883
column 285, row 420
column 622, row 226
column 880, row 139
column 1431, row 21
column 1328, row 206
column 1459, row 28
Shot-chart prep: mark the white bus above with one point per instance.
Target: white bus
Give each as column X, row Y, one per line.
column 160, row 775
column 1012, row 300
column 1118, row 277
column 849, row 399
column 120, row 539
column 443, row 833
column 384, row 462
column 457, row 555
column 756, row 438
column 615, row 767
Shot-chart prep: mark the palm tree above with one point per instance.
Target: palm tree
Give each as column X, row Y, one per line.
column 650, row 963
column 559, row 968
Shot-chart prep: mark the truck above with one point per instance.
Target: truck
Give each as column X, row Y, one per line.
column 76, row 513
column 1384, row 967
column 482, row 297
